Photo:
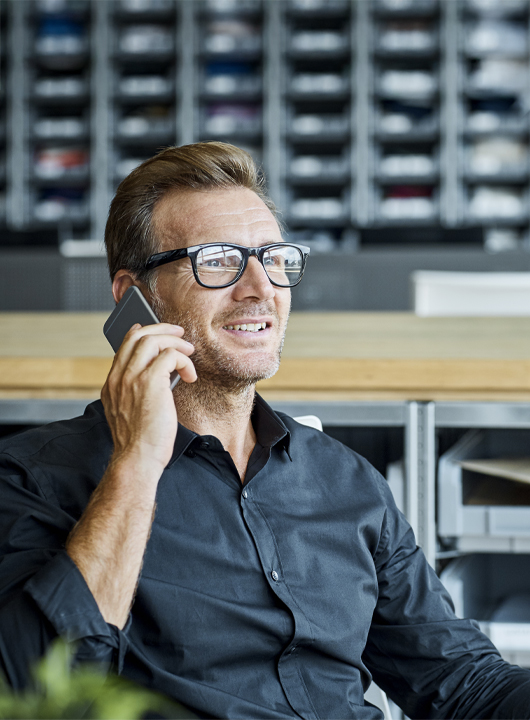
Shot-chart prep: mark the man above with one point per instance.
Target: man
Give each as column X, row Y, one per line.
column 211, row 549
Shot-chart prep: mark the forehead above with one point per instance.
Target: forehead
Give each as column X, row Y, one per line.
column 238, row 215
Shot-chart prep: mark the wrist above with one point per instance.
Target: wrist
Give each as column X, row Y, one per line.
column 135, row 466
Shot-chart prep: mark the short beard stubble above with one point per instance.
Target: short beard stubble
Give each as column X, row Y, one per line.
column 218, row 372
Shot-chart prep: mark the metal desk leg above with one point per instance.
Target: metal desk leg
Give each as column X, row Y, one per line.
column 411, row 466
column 427, row 481
column 420, row 475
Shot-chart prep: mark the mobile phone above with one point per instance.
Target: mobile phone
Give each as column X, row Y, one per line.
column 132, row 308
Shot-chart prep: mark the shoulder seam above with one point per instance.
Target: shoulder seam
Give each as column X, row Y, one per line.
column 65, row 434
column 30, row 473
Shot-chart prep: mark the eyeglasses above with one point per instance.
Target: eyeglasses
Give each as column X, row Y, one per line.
column 219, row 266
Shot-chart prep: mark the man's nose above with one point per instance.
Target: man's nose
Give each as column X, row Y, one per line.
column 254, row 282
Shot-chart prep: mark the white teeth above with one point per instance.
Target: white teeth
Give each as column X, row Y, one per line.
column 249, row 327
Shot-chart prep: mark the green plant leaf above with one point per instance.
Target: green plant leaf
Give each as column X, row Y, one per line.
column 61, row 692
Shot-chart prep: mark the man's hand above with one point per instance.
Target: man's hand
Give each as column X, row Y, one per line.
column 108, row 542
column 136, row 396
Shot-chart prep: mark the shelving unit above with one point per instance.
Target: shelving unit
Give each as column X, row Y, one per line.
column 229, row 61
column 142, row 90
column 318, row 97
column 366, row 115
column 49, row 142
column 487, row 559
column 384, row 143
column 493, row 124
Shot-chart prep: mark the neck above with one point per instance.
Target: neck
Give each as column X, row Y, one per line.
column 209, row 410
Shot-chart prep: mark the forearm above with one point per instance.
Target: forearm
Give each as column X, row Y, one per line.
column 108, row 542
column 53, row 601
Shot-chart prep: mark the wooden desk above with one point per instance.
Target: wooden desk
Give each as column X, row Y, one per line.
column 327, row 356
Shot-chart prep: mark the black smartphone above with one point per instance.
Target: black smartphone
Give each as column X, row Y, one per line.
column 133, row 308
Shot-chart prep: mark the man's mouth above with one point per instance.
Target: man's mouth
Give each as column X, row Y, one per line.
column 247, row 327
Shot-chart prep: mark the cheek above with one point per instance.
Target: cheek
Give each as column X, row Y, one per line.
column 177, row 290
column 284, row 303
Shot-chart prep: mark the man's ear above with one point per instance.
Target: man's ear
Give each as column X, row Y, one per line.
column 123, row 280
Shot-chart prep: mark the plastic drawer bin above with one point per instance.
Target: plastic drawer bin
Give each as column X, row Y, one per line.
column 494, row 589
column 483, row 512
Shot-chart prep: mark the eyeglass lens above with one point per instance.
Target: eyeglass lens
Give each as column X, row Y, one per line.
column 219, row 264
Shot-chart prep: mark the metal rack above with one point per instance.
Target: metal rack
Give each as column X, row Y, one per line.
column 486, row 572
column 365, row 114
column 368, row 116
column 50, row 117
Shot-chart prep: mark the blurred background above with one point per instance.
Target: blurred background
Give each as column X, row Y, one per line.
column 393, row 133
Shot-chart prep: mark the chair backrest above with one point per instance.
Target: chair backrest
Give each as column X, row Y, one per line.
column 310, row 420
column 374, row 694
column 377, row 697
column 470, row 293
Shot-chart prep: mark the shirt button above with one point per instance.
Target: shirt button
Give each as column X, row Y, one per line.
column 275, row 576
column 205, row 445
column 191, row 453
column 245, row 494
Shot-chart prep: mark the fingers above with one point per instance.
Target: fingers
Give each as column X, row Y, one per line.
column 149, row 347
column 144, row 347
column 137, row 343
column 137, row 331
column 169, row 360
column 137, row 398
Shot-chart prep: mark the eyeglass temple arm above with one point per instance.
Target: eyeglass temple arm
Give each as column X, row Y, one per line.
column 165, row 257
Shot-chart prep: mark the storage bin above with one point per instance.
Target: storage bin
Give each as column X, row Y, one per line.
column 326, row 84
column 318, row 167
column 494, row 589
column 227, row 119
column 407, row 203
column 412, row 165
column 326, row 43
column 307, row 7
column 320, row 127
column 404, row 120
column 497, row 203
column 482, row 512
column 411, row 84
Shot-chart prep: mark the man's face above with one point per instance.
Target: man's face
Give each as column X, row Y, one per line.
column 231, row 358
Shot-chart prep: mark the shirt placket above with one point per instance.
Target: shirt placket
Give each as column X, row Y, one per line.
column 289, row 668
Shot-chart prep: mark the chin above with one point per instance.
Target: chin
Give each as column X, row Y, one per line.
column 236, row 373
column 256, row 369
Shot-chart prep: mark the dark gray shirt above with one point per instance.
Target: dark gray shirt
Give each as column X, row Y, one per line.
column 276, row 599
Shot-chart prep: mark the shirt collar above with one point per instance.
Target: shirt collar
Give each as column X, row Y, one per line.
column 269, row 429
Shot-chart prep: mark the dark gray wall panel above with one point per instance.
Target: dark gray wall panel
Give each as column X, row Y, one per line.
column 30, row 280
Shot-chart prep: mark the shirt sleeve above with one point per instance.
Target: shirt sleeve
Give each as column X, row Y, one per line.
column 430, row 662
column 43, row 594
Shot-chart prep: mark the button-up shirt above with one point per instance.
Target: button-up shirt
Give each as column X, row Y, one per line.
column 278, row 598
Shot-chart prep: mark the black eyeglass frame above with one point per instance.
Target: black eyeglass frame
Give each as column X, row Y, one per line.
column 168, row 256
